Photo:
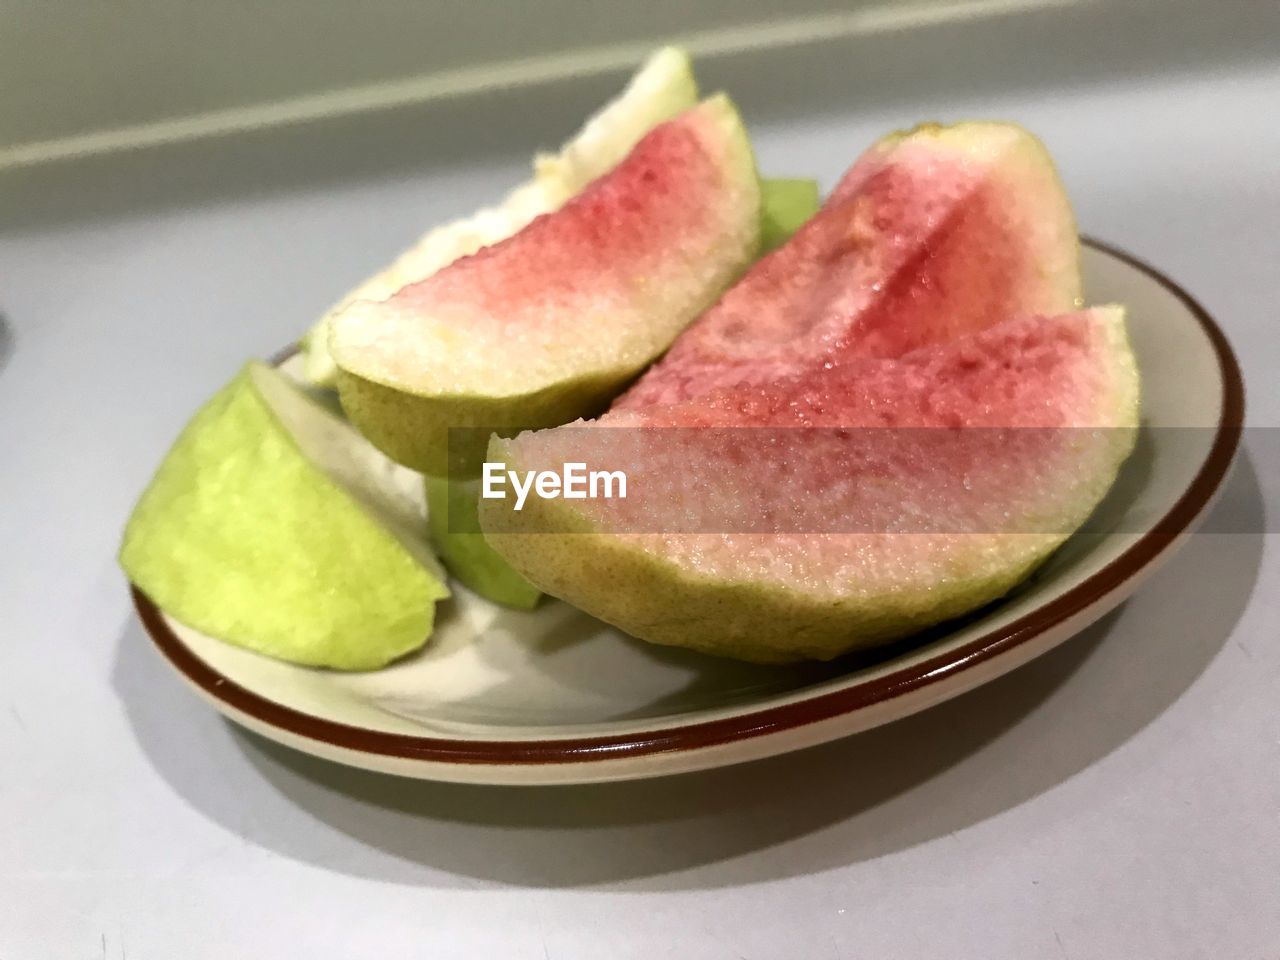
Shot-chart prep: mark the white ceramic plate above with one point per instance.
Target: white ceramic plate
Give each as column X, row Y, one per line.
column 554, row 696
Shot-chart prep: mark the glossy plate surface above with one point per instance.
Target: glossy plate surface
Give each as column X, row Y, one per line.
column 554, row 696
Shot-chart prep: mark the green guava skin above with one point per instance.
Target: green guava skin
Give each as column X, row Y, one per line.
column 452, row 516
column 785, row 205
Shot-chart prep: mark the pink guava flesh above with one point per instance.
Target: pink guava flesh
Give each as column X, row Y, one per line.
column 544, row 300
column 922, row 241
column 823, row 513
column 1003, row 431
column 668, row 178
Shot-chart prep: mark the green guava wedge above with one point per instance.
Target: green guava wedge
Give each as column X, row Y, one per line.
column 551, row 323
column 662, row 88
column 272, row 525
column 452, row 507
column 785, row 205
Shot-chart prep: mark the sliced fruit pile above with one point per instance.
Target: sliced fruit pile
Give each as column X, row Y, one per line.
column 936, row 289
column 930, row 293
column 255, row 532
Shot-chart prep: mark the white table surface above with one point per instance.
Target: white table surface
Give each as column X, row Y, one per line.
column 1119, row 798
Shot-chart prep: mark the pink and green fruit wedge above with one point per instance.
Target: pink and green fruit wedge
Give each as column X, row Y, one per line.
column 937, row 289
column 549, row 324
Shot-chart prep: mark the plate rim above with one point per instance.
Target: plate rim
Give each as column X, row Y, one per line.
column 701, row 735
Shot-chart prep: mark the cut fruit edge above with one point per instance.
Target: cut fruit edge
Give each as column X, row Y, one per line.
column 525, row 314
column 663, row 88
column 511, row 338
column 928, row 235
column 754, row 616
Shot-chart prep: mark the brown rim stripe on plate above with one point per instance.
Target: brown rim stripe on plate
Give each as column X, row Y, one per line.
column 769, row 720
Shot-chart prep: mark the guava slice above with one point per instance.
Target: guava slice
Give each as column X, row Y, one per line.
column 549, row 324
column 452, row 507
column 785, row 205
column 931, row 234
column 663, row 88
column 273, row 525
column 839, row 508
